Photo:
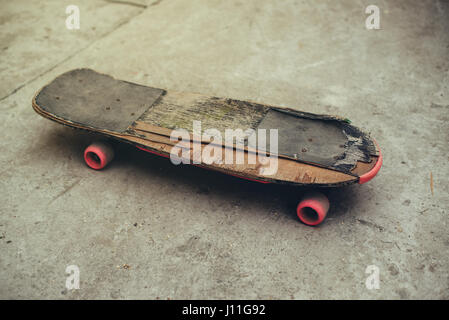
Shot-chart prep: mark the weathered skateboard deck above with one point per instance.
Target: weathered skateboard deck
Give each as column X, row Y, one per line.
column 312, row 150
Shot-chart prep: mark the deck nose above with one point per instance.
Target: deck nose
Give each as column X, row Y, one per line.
column 373, row 172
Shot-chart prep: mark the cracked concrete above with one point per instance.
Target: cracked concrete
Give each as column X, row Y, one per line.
column 186, row 233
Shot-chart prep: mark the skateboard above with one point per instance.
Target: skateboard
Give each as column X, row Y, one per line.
column 249, row 140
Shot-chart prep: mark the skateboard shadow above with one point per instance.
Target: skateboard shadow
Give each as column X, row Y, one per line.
column 271, row 197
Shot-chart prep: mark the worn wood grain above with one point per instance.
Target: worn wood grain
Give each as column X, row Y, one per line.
column 176, row 110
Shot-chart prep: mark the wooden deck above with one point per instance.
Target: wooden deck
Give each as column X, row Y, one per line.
column 147, row 118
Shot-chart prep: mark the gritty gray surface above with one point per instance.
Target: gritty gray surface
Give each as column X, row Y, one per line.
column 188, row 233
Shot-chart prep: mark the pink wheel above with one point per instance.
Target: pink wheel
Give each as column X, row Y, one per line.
column 98, row 155
column 312, row 209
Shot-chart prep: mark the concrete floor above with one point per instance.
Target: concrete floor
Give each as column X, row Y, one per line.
column 189, row 233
